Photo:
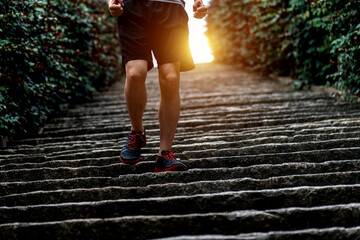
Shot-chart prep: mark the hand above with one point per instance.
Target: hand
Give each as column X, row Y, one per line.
column 115, row 7
column 199, row 9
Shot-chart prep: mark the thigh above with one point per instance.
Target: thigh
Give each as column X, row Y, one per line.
column 133, row 33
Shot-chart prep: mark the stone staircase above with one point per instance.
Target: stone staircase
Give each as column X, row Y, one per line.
column 265, row 163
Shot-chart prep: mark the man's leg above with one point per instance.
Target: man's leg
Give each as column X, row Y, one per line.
column 136, row 97
column 135, row 92
column 169, row 111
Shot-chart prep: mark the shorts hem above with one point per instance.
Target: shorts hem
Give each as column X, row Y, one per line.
column 184, row 65
column 150, row 63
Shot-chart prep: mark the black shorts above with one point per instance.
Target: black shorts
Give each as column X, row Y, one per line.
column 160, row 27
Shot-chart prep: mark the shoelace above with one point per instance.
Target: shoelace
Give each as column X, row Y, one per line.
column 170, row 155
column 134, row 142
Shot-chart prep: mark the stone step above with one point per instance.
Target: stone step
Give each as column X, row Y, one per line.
column 224, row 126
column 108, row 155
column 200, row 203
column 242, row 111
column 342, row 122
column 253, row 110
column 116, row 122
column 105, row 155
column 111, row 111
column 177, row 189
column 215, row 109
column 275, row 154
column 116, row 99
column 215, row 101
column 272, row 148
column 155, row 226
column 214, row 160
column 194, row 121
column 320, row 133
column 142, row 175
column 202, row 141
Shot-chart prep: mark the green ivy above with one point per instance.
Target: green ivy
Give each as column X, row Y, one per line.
column 315, row 41
column 52, row 52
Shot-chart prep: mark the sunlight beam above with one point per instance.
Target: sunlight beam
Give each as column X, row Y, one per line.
column 198, row 41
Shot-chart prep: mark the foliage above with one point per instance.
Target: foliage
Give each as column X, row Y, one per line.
column 52, row 52
column 315, row 41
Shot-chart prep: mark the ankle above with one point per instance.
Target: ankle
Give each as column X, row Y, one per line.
column 142, row 129
column 161, row 151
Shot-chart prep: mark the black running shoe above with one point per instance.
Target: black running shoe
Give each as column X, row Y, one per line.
column 130, row 153
column 168, row 162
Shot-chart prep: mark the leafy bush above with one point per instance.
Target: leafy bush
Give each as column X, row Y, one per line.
column 315, row 41
column 52, row 52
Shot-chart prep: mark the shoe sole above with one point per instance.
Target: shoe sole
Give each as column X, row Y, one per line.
column 173, row 168
column 130, row 161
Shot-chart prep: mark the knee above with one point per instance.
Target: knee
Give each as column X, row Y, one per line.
column 134, row 75
column 170, row 82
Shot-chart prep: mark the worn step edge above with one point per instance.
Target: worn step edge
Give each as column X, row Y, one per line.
column 236, row 222
column 243, row 148
column 188, row 137
column 208, row 143
column 148, row 166
column 178, row 189
column 112, row 157
column 203, row 103
column 255, row 109
column 107, row 155
column 192, row 137
column 334, row 233
column 89, row 125
column 200, row 203
column 197, row 123
column 106, row 136
column 150, row 178
column 266, row 93
column 224, row 160
column 272, row 148
column 221, row 148
column 121, row 106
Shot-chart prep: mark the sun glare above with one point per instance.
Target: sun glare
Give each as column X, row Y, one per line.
column 198, row 41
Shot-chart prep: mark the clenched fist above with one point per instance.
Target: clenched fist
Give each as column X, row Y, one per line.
column 115, row 7
column 199, row 9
